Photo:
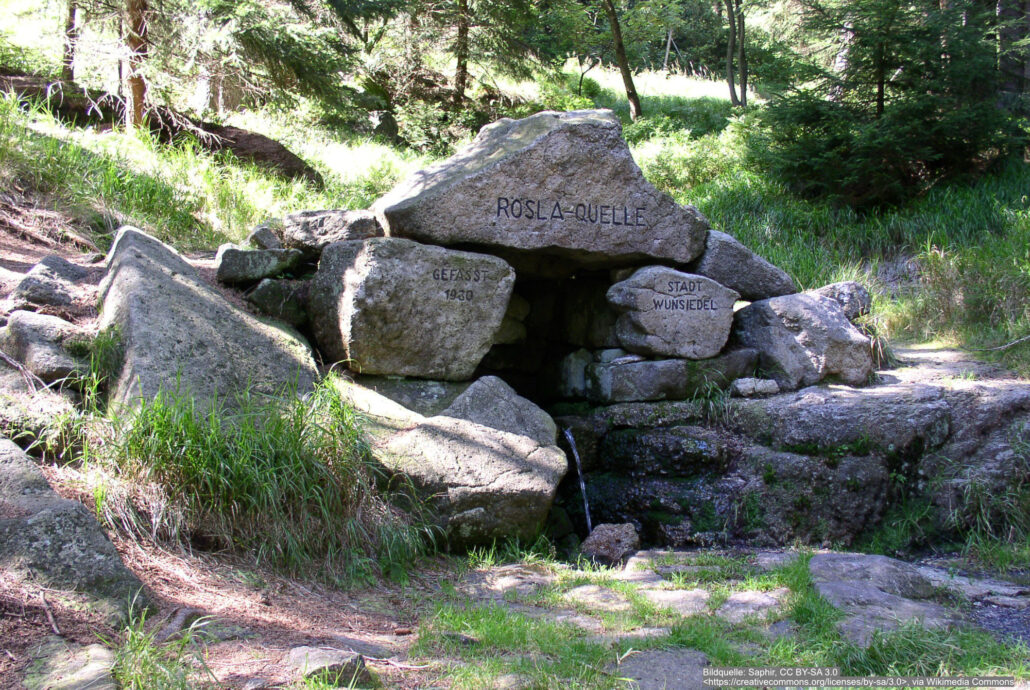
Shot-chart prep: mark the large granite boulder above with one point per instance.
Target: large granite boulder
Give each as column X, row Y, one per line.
column 730, row 263
column 672, row 314
column 393, row 306
column 311, row 231
column 176, row 331
column 487, row 461
column 803, row 339
column 898, row 419
column 558, row 184
column 41, row 343
column 56, row 541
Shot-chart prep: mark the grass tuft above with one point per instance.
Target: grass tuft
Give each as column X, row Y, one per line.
column 290, row 482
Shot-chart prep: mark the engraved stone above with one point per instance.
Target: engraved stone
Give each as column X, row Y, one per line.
column 557, row 184
column 393, row 306
column 666, row 312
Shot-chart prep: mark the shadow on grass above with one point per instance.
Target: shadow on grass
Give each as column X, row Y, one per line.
column 101, row 189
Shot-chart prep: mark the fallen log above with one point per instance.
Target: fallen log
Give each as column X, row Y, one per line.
column 80, row 107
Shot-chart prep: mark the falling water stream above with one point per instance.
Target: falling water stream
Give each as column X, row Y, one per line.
column 579, row 471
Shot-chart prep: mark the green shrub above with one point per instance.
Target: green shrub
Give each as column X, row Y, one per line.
column 290, row 482
column 901, row 115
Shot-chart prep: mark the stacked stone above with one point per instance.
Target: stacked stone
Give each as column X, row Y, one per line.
column 422, row 286
column 539, row 251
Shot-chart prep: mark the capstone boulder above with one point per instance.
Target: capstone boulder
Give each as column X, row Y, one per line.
column 393, row 306
column 553, row 184
column 672, row 314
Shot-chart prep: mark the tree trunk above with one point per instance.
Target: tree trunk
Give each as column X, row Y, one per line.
column 461, row 52
column 731, row 48
column 881, row 79
column 668, row 47
column 741, row 56
column 620, row 55
column 138, row 43
column 71, row 38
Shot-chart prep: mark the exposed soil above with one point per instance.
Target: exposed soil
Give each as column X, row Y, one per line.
column 24, row 624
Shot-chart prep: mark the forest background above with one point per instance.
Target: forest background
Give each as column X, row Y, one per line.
column 869, row 139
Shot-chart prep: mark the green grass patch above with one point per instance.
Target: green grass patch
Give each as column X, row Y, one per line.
column 180, row 193
column 493, row 641
column 289, row 481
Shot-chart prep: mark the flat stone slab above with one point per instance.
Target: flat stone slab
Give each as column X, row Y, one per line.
column 685, row 602
column 741, row 606
column 519, row 580
column 663, row 669
column 582, row 621
column 637, row 635
column 669, row 313
column 985, row 589
column 61, row 665
column 335, row 666
column 639, row 570
column 396, row 307
column 660, row 379
column 559, row 184
column 877, row 594
column 771, row 560
column 597, row 597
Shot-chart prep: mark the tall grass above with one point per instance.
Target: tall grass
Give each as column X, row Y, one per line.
column 289, row 482
column 142, row 663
